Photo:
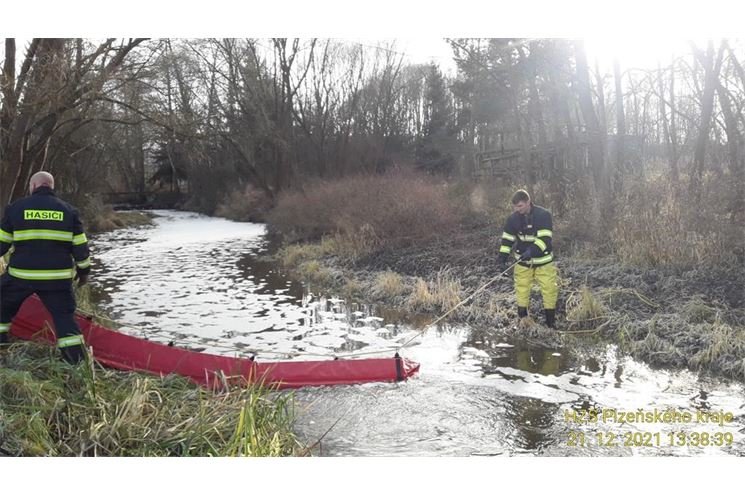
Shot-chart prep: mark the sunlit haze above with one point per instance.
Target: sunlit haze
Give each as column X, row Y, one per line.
column 637, row 52
column 422, row 50
column 429, row 50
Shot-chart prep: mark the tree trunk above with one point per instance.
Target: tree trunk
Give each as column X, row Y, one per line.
column 668, row 126
column 737, row 167
column 735, row 160
column 620, row 128
column 596, row 141
column 675, row 155
column 730, row 128
column 534, row 108
column 711, row 74
column 601, row 99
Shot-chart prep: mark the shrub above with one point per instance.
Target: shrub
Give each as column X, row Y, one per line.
column 291, row 256
column 420, row 297
column 313, row 272
column 584, row 310
column 95, row 214
column 392, row 210
column 388, row 285
column 723, row 345
column 248, row 204
column 658, row 226
column 441, row 294
column 697, row 311
column 352, row 289
column 487, row 200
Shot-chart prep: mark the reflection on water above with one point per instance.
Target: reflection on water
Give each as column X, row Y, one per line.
column 268, row 279
column 533, row 419
column 203, row 283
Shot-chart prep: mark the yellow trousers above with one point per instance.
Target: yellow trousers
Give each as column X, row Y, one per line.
column 545, row 275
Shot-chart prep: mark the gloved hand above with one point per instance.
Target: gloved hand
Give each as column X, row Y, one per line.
column 82, row 278
column 526, row 255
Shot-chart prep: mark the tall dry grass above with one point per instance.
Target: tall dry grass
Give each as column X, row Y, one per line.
column 659, row 227
column 651, row 223
column 584, row 310
column 440, row 294
column 50, row 408
column 388, row 284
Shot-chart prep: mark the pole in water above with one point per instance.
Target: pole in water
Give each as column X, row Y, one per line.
column 399, row 368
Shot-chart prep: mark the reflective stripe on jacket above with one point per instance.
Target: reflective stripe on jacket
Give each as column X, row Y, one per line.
column 47, row 237
column 533, row 232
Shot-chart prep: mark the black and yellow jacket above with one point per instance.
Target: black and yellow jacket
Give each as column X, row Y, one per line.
column 47, row 238
column 531, row 232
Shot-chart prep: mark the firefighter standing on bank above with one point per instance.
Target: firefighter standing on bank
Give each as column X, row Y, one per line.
column 527, row 234
column 49, row 248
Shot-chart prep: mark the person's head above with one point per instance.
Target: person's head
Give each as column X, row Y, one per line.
column 41, row 178
column 521, row 202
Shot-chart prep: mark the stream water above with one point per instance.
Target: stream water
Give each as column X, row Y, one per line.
column 199, row 281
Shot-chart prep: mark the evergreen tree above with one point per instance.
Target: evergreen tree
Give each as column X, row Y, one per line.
column 434, row 148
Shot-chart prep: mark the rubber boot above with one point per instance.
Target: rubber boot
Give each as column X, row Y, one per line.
column 73, row 354
column 522, row 312
column 550, row 318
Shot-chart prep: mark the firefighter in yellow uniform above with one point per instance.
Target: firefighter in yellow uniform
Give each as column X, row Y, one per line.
column 527, row 236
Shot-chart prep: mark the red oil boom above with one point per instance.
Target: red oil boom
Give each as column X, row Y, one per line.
column 125, row 352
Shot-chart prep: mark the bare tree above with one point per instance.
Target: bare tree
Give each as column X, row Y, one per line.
column 668, row 125
column 711, row 65
column 595, row 137
column 57, row 77
column 620, row 117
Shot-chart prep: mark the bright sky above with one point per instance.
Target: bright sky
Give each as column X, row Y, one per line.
column 632, row 52
column 430, row 50
column 419, row 50
column 638, row 52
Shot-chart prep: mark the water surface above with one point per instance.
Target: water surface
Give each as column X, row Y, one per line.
column 204, row 283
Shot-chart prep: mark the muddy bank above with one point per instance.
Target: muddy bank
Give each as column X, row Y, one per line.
column 666, row 317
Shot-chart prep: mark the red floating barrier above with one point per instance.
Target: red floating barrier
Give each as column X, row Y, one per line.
column 121, row 351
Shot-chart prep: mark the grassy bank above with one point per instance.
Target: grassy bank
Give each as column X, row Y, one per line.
column 49, row 408
column 97, row 216
column 679, row 328
column 109, row 219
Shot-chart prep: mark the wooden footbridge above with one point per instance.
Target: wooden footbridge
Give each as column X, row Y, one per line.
column 148, row 200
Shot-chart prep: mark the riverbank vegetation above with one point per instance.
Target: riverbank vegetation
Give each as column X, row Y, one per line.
column 368, row 164
column 50, row 408
column 670, row 304
column 101, row 218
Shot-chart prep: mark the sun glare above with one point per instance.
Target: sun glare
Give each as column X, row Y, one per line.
column 638, row 52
